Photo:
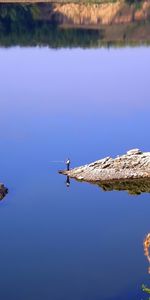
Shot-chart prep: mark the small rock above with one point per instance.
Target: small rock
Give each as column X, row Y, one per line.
column 134, row 152
column 80, row 177
column 3, row 191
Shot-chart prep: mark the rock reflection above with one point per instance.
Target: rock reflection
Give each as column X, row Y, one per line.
column 132, row 186
column 3, row 191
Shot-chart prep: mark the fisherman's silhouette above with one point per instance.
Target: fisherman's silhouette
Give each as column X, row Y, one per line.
column 67, row 181
column 67, row 162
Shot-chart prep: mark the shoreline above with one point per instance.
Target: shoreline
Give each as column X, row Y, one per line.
column 134, row 164
column 58, row 2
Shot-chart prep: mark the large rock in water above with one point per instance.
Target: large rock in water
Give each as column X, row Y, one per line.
column 130, row 172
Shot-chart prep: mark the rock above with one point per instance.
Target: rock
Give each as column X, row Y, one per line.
column 134, row 152
column 3, row 191
column 130, row 172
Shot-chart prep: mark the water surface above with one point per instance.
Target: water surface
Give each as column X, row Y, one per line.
column 75, row 243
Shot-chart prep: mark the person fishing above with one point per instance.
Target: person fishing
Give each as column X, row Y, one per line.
column 67, row 162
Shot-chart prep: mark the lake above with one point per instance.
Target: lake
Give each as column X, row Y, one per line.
column 85, row 103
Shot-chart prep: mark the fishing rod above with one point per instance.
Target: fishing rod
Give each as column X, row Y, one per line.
column 66, row 162
column 57, row 161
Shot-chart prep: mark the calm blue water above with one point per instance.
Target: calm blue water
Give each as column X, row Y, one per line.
column 78, row 243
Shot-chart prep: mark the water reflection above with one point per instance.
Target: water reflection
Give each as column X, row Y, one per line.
column 27, row 25
column 57, row 240
column 132, row 186
column 56, row 25
column 68, row 182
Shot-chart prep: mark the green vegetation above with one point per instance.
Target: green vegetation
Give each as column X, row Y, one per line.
column 145, row 289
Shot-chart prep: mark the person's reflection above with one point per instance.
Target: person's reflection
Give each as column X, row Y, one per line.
column 68, row 182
